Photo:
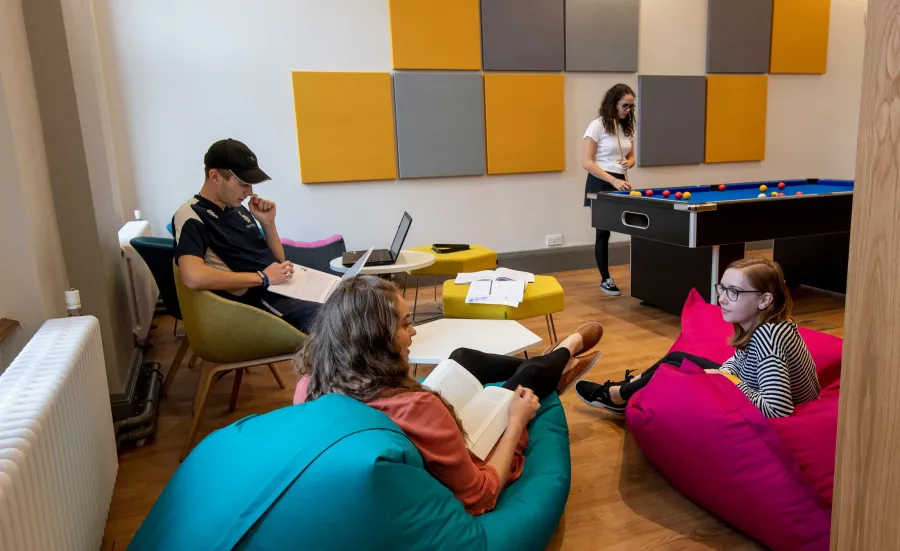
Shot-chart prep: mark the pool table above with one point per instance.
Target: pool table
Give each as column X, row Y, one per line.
column 680, row 244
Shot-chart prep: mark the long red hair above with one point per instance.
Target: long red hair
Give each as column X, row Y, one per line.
column 766, row 277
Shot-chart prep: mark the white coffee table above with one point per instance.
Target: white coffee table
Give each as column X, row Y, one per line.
column 406, row 261
column 436, row 340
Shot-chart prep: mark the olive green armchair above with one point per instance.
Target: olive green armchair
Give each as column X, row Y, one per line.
column 230, row 336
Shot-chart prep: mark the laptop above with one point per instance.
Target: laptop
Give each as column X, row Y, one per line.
column 383, row 257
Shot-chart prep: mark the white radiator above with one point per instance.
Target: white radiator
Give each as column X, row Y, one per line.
column 58, row 458
column 139, row 283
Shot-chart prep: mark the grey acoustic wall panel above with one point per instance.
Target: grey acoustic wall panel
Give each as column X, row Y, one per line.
column 602, row 35
column 523, row 35
column 739, row 34
column 440, row 124
column 671, row 120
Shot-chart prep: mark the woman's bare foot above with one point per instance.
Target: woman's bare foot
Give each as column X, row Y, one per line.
column 574, row 343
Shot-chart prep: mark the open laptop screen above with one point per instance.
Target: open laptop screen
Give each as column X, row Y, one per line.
column 400, row 237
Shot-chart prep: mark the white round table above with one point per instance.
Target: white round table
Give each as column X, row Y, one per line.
column 406, row 261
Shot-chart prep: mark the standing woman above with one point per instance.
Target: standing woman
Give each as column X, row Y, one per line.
column 608, row 154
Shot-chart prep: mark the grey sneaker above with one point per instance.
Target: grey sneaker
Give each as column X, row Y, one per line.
column 609, row 287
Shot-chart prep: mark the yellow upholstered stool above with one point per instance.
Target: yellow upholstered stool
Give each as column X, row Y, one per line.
column 544, row 297
column 475, row 259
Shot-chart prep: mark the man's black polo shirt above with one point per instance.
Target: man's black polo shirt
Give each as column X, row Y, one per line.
column 227, row 239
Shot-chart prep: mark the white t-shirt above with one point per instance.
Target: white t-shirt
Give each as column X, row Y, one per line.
column 608, row 152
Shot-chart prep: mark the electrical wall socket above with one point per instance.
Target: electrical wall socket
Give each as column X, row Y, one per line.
column 554, row 240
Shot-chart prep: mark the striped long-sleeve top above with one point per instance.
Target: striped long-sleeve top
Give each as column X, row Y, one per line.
column 776, row 369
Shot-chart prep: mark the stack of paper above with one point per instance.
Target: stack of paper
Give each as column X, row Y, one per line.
column 500, row 286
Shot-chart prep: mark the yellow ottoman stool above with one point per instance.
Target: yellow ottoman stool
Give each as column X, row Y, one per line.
column 544, row 297
column 475, row 259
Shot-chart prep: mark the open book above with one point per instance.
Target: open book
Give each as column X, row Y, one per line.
column 482, row 411
column 313, row 285
column 500, row 274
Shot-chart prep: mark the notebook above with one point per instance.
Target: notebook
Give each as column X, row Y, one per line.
column 313, row 285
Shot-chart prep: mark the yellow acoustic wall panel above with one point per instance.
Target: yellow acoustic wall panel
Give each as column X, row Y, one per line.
column 524, row 122
column 800, row 36
column 736, row 118
column 436, row 34
column 332, row 110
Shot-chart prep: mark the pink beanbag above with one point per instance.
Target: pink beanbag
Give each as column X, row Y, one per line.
column 770, row 478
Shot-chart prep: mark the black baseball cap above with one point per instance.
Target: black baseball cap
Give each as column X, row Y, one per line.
column 235, row 156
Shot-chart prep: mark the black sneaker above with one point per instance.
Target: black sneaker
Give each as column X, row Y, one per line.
column 597, row 395
column 609, row 287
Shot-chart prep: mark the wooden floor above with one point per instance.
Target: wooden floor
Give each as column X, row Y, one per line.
column 617, row 502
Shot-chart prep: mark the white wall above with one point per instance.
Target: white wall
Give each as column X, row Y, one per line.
column 194, row 72
column 32, row 272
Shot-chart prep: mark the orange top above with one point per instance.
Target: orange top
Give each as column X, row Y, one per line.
column 428, row 423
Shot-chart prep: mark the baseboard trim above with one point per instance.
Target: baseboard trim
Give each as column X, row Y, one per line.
column 562, row 259
column 579, row 257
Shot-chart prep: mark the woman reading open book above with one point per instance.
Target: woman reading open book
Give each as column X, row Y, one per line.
column 359, row 347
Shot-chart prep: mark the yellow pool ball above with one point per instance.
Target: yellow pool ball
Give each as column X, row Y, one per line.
column 774, row 194
column 635, row 193
column 687, row 195
column 763, row 188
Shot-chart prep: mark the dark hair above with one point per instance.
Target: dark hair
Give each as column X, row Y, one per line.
column 764, row 276
column 608, row 114
column 350, row 349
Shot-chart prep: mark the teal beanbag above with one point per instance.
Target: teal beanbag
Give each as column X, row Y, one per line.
column 337, row 474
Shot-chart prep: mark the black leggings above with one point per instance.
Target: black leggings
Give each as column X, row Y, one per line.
column 674, row 359
column 601, row 245
column 541, row 374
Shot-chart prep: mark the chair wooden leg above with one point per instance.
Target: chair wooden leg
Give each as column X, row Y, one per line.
column 235, row 389
column 553, row 325
column 549, row 331
column 176, row 363
column 207, row 371
column 277, row 375
column 416, row 300
column 192, row 360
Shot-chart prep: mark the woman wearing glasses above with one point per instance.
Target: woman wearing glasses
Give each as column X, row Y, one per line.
column 772, row 365
column 608, row 154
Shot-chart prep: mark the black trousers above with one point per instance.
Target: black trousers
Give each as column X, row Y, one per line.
column 601, row 244
column 299, row 313
column 541, row 374
column 674, row 359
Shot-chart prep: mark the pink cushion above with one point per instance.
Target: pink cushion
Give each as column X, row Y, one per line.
column 715, row 447
column 683, row 415
column 312, row 244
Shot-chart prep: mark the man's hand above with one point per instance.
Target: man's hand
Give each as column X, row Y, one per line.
column 262, row 210
column 279, row 272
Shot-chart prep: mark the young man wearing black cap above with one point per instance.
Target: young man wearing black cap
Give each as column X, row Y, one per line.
column 219, row 246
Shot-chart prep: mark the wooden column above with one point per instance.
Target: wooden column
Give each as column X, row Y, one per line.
column 866, row 512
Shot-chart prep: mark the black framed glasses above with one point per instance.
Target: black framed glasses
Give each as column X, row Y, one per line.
column 628, row 106
column 732, row 293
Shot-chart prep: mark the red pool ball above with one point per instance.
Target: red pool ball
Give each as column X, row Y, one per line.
column 799, row 193
column 666, row 193
column 721, row 187
column 678, row 195
column 649, row 193
column 781, row 185
column 781, row 195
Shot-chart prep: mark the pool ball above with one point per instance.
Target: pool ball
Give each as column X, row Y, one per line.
column 686, row 195
column 799, row 193
column 774, row 194
column 781, row 185
column 678, row 195
column 721, row 187
column 761, row 195
column 781, row 194
column 636, row 193
column 763, row 188
column 649, row 193
column 666, row 193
